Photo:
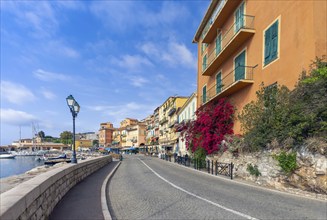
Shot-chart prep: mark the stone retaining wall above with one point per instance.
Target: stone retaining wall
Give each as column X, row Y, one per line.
column 37, row 197
column 310, row 175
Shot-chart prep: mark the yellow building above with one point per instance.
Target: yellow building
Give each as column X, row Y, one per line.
column 244, row 43
column 83, row 143
column 133, row 133
column 168, row 138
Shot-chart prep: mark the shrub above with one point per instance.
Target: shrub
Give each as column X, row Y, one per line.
column 214, row 121
column 253, row 170
column 283, row 116
column 287, row 161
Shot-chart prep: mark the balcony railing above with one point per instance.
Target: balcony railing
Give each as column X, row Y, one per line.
column 172, row 123
column 230, row 83
column 235, row 36
column 163, row 120
column 222, row 12
column 215, row 14
column 171, row 111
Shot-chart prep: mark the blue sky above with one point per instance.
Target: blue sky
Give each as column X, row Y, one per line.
column 117, row 58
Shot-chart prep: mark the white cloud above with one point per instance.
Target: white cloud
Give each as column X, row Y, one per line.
column 124, row 14
column 133, row 62
column 50, row 76
column 48, row 94
column 14, row 117
column 38, row 17
column 131, row 109
column 59, row 47
column 172, row 53
column 138, row 81
column 16, row 93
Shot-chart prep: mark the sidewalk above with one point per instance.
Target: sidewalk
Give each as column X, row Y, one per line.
column 83, row 201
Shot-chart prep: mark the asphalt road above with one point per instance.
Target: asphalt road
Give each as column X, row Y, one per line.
column 150, row 188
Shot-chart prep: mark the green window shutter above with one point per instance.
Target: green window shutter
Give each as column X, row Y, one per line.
column 204, row 62
column 271, row 43
column 204, row 94
column 218, row 83
column 218, row 44
column 239, row 20
column 274, row 40
column 240, row 66
column 267, row 46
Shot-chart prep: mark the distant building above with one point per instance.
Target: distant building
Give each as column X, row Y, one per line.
column 106, row 134
column 168, row 139
column 185, row 114
column 83, row 143
column 244, row 43
column 132, row 133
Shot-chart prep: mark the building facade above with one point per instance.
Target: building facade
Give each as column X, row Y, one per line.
column 185, row 114
column 244, row 44
column 168, row 139
column 105, row 134
column 133, row 133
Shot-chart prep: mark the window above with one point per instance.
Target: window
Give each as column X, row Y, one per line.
column 271, row 43
column 204, row 62
column 204, row 94
column 239, row 63
column 218, row 83
column 203, row 47
column 239, row 18
column 218, row 44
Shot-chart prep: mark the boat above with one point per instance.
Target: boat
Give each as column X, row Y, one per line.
column 53, row 160
column 6, row 155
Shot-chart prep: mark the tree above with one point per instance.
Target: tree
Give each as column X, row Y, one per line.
column 66, row 137
column 41, row 134
column 214, row 121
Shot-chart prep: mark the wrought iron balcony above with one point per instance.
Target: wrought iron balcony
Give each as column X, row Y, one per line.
column 171, row 111
column 223, row 10
column 230, row 84
column 232, row 40
column 163, row 120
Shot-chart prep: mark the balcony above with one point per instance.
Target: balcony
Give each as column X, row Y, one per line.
column 171, row 111
column 223, row 10
column 163, row 120
column 229, row 84
column 233, row 39
column 171, row 124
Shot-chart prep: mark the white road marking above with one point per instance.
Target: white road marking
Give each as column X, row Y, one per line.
column 199, row 197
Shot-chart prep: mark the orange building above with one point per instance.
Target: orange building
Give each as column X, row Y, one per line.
column 106, row 134
column 244, row 43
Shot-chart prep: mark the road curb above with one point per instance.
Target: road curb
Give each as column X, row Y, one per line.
column 104, row 204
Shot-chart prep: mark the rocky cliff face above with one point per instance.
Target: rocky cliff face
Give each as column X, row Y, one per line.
column 310, row 175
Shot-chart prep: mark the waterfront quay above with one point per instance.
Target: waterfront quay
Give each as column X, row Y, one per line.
column 146, row 187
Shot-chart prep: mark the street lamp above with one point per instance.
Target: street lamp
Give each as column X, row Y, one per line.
column 74, row 109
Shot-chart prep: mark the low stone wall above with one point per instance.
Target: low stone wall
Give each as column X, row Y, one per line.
column 310, row 176
column 37, row 197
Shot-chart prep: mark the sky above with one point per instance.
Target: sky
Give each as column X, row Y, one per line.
column 118, row 59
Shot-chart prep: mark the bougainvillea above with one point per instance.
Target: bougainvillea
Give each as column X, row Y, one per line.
column 213, row 122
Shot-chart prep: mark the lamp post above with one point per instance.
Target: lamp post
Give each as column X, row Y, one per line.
column 74, row 109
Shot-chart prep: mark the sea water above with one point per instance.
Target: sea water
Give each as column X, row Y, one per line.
column 18, row 165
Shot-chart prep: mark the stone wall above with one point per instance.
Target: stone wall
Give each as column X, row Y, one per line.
column 37, row 197
column 310, row 176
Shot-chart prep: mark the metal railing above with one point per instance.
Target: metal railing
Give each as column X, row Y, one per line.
column 215, row 167
column 227, row 81
column 246, row 22
column 217, row 11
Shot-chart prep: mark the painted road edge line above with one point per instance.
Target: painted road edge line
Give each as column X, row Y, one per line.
column 104, row 204
column 199, row 197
